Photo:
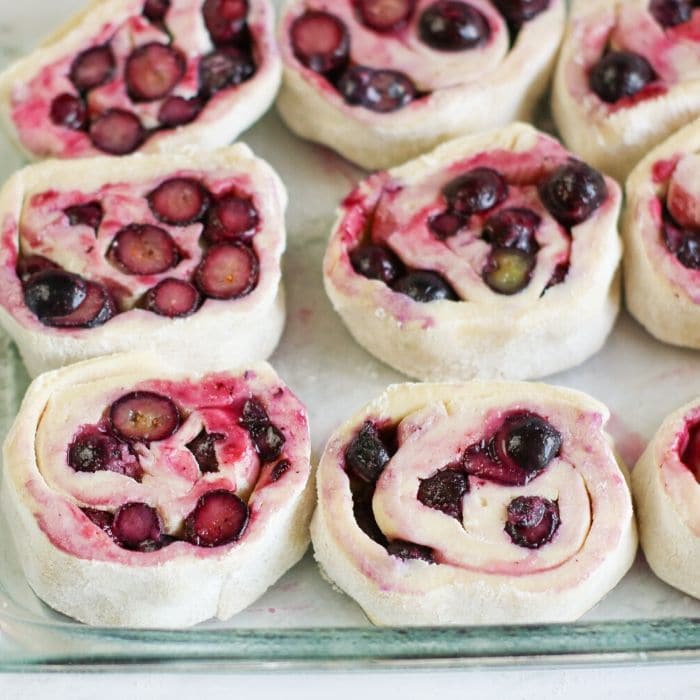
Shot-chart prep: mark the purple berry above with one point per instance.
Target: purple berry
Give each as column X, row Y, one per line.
column 669, row 13
column 445, row 491
column 320, row 41
column 179, row 201
column 367, row 454
column 521, row 448
column 226, row 67
column 142, row 249
column 93, row 451
column 177, row 111
column 573, row 192
column 267, row 438
column 92, row 68
column 620, row 74
column 117, row 132
column 89, row 214
column 54, row 292
column 517, row 12
column 231, row 218
column 683, row 243
column 144, row 416
column 269, row 443
column 410, row 550
column 219, row 518
column 203, row 447
column 153, row 70
column 155, row 10
column 451, row 25
column 385, row 15
column 376, row 263
column 476, row 192
column 532, row 521
column 173, row 298
column 527, row 440
column 378, row 90
column 137, row 526
column 97, row 308
column 513, row 228
column 424, row 287
column 228, row 271
column 225, row 19
column 280, row 469
column 689, row 252
column 69, row 111
column 446, row 224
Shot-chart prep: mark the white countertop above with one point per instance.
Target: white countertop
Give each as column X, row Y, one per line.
column 31, row 18
column 648, row 682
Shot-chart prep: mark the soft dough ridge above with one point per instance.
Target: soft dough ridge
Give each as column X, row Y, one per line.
column 540, row 330
column 221, row 333
column 477, row 575
column 81, row 570
column 483, row 92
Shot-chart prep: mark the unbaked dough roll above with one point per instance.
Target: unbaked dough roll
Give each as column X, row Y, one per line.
column 481, row 503
column 494, row 256
column 662, row 238
column 145, row 495
column 628, row 77
column 181, row 252
column 666, row 487
column 147, row 75
column 382, row 81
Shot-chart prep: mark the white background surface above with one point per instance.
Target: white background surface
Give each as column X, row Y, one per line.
column 20, row 26
column 643, row 682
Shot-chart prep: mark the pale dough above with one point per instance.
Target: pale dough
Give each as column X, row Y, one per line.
column 221, row 334
column 508, row 91
column 180, row 585
column 490, row 335
column 661, row 293
column 489, row 580
column 615, row 138
column 667, row 498
column 226, row 116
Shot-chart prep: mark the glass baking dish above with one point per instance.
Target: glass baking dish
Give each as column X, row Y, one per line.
column 302, row 620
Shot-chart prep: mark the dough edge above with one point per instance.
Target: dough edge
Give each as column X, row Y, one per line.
column 224, row 335
column 476, row 599
column 179, row 593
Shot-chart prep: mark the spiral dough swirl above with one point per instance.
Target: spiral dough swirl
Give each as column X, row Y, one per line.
column 145, row 496
column 466, row 504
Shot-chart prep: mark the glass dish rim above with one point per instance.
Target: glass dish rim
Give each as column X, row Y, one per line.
column 122, row 649
column 671, row 640
column 338, row 648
